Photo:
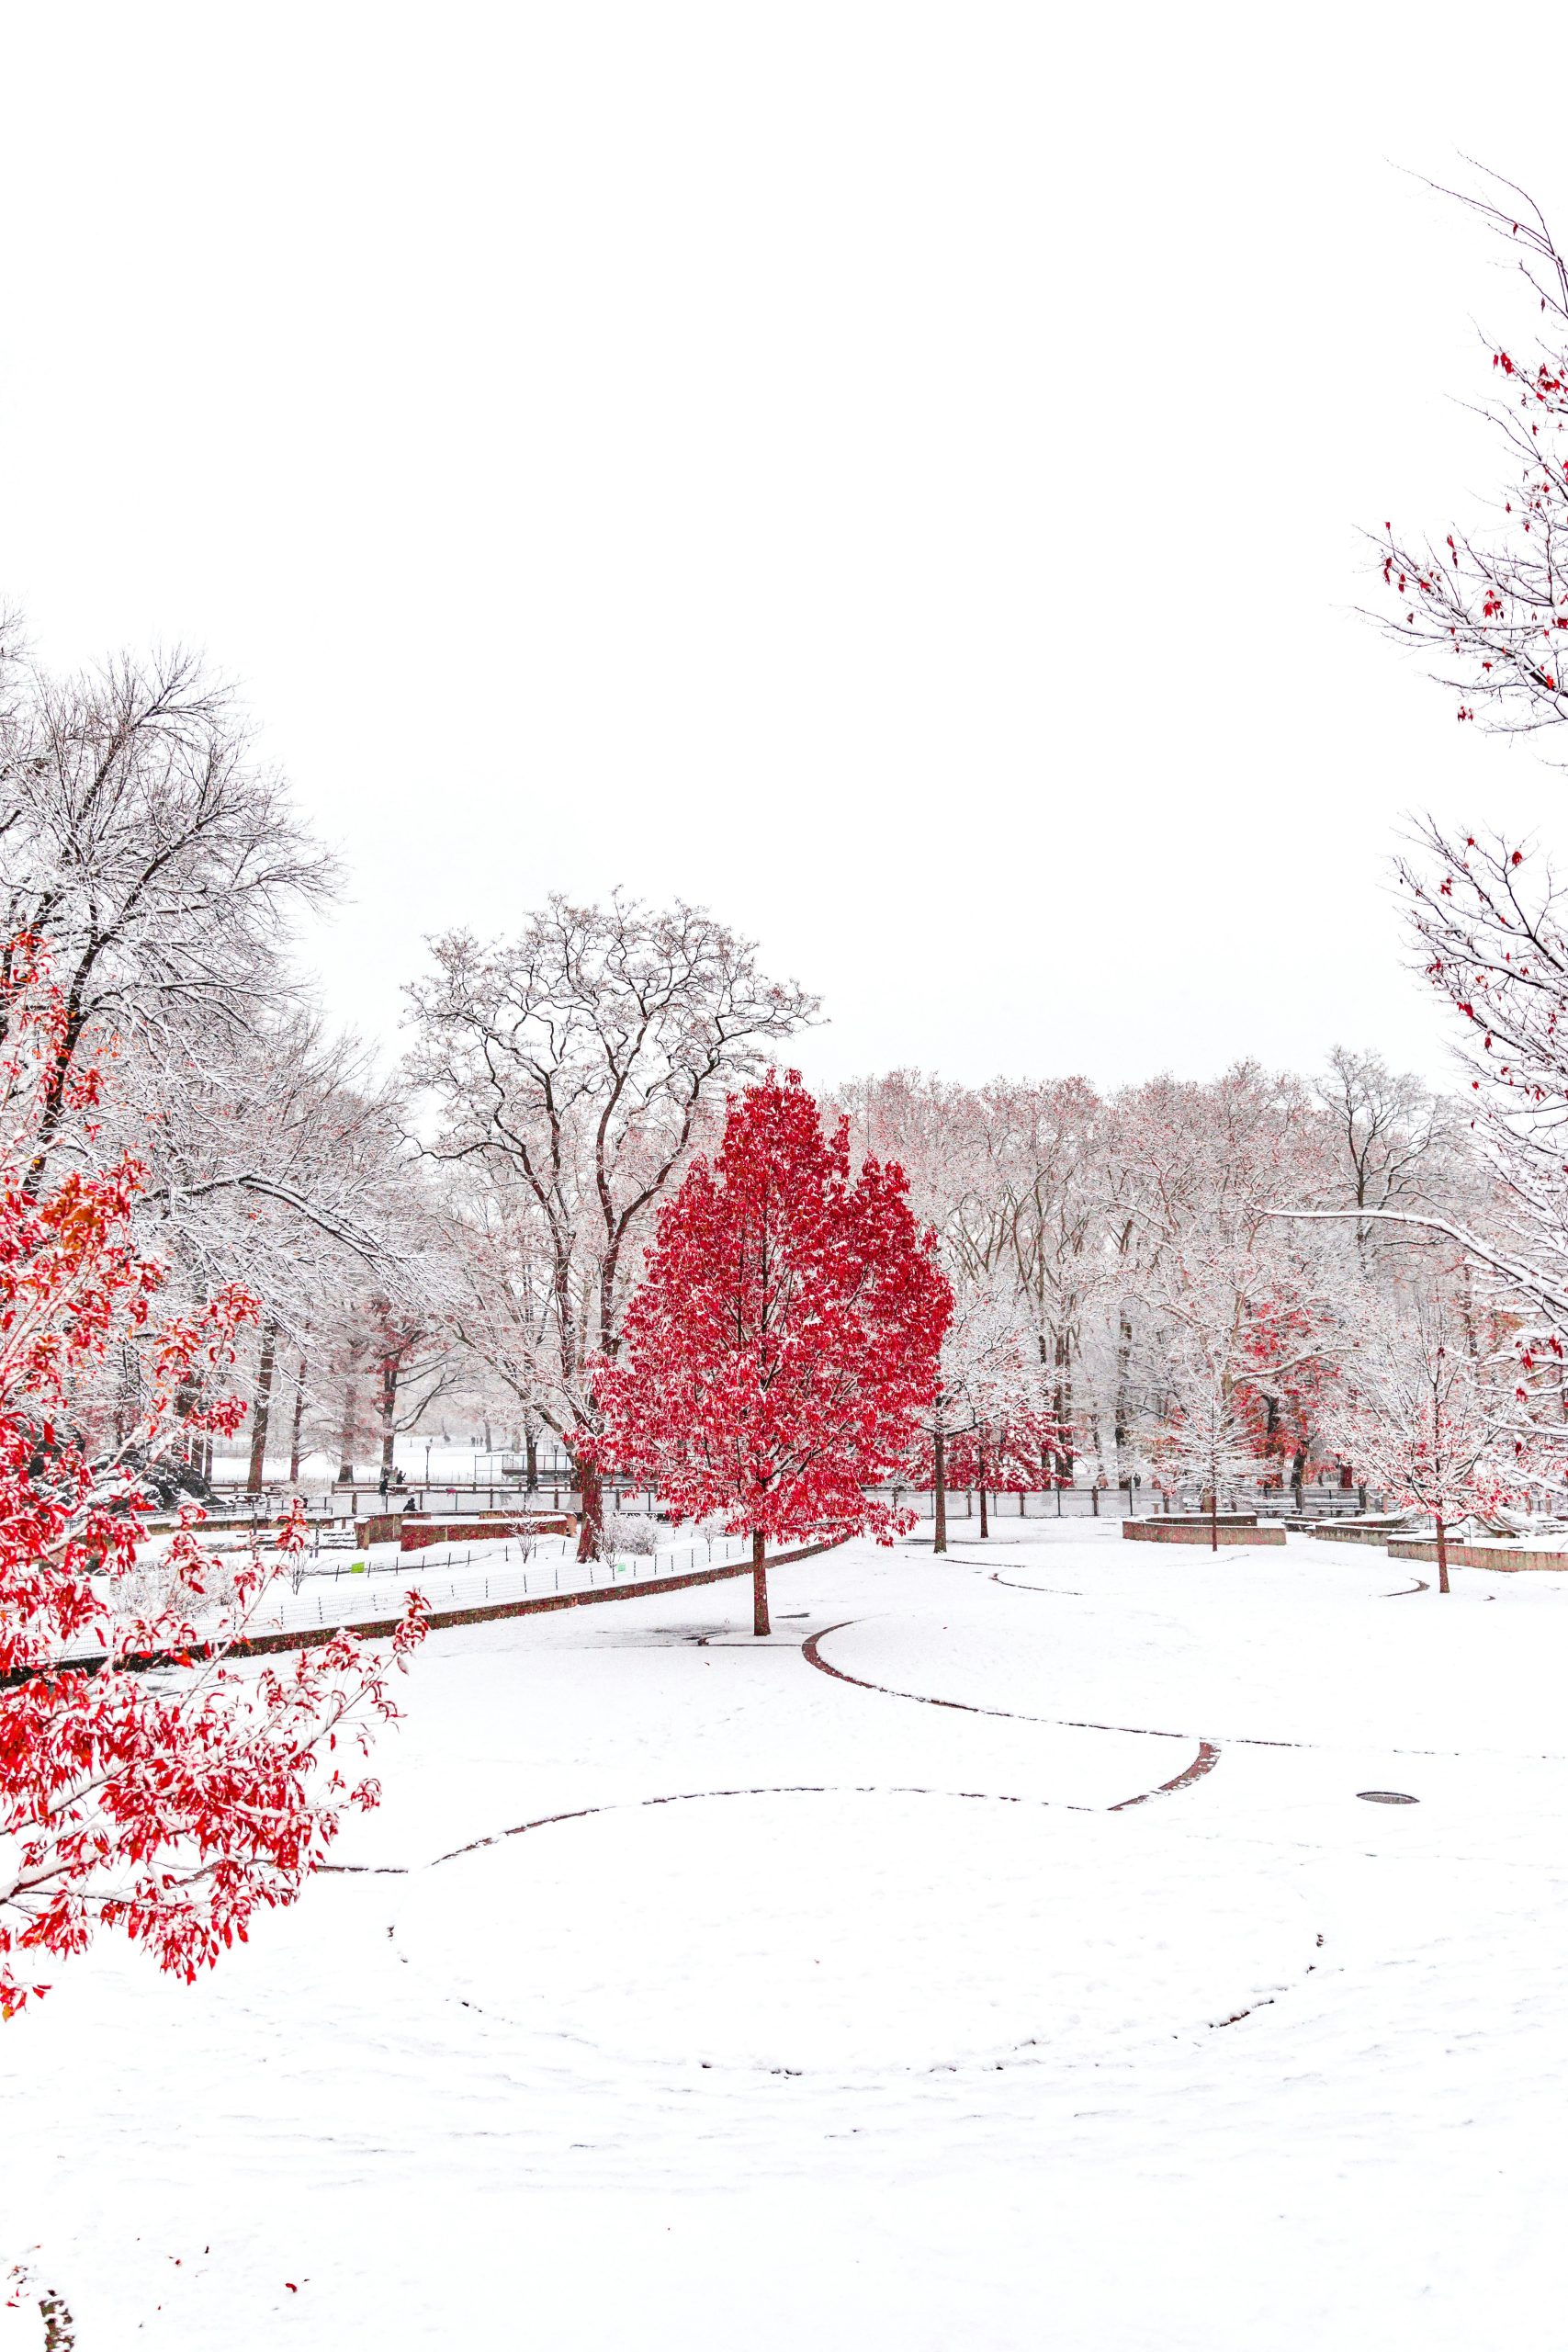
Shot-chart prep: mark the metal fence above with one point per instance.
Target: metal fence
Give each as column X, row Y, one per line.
column 510, row 1572
column 352, row 1594
column 439, row 1502
column 342, row 1503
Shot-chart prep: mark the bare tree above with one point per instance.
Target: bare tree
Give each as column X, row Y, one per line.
column 581, row 1057
column 1397, row 1141
column 140, row 836
column 505, row 1314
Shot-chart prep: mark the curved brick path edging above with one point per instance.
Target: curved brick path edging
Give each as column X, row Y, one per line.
column 813, row 1656
column 1208, row 1755
column 1136, row 1731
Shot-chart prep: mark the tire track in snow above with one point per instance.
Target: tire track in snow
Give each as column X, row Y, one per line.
column 774, row 1789
column 695, row 1796
column 1062, row 1591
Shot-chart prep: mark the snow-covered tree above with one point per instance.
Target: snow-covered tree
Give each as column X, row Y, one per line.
column 1206, row 1439
column 503, row 1314
column 581, row 1058
column 162, row 861
column 1426, row 1417
column 1235, row 1299
column 1395, row 1144
column 988, row 1422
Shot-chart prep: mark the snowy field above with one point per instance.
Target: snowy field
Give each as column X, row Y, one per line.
column 1092, row 2007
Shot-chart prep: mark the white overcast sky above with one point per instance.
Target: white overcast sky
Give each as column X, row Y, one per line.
column 890, row 473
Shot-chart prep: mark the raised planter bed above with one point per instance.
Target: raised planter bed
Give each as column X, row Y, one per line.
column 379, row 1527
column 1227, row 1531
column 1203, row 1518
column 1324, row 1533
column 1507, row 1558
column 418, row 1533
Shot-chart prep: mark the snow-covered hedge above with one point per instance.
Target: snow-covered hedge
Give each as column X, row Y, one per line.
column 631, row 1533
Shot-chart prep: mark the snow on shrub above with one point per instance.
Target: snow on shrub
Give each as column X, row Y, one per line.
column 631, row 1533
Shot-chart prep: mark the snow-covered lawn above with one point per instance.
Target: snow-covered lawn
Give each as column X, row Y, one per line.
column 812, row 2014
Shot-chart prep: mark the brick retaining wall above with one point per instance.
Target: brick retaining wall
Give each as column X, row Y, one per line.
column 1196, row 1531
column 1507, row 1558
column 418, row 1533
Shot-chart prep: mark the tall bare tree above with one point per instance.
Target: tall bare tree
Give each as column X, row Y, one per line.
column 581, row 1058
column 162, row 861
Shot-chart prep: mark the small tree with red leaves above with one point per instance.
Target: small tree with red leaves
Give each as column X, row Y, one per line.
column 786, row 1337
column 170, row 1810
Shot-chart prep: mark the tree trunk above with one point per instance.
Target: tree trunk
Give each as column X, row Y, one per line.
column 530, row 1457
column 985, row 1525
column 759, row 1583
column 939, row 1497
column 261, row 1410
column 1062, row 1404
column 389, row 1418
column 297, row 1425
column 591, row 1535
column 1442, row 1556
column 349, row 1432
column 1214, row 1517
column 1123, row 1384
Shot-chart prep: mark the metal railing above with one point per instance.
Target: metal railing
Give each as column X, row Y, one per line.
column 496, row 1571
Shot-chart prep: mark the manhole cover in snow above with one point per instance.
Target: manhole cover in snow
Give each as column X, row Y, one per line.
column 849, row 1929
column 1385, row 1796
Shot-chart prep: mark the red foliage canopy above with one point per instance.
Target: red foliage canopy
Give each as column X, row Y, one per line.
column 169, row 1811
column 787, row 1334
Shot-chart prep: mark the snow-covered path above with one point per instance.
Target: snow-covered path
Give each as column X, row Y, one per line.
column 814, row 2012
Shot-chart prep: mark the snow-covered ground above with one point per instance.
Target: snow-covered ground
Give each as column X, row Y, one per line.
column 808, row 2012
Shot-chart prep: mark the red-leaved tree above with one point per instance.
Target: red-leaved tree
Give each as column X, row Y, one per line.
column 171, row 1809
column 786, row 1337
